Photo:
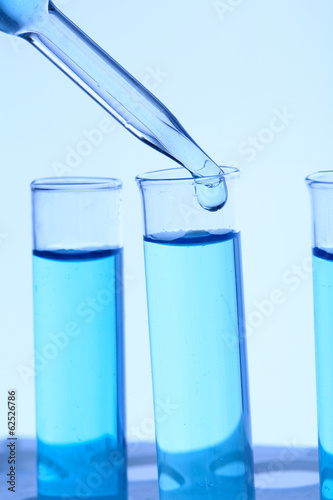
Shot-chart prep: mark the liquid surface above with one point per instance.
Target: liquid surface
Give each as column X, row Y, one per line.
column 194, row 287
column 323, row 306
column 79, row 373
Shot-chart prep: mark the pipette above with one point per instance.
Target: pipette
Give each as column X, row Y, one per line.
column 99, row 75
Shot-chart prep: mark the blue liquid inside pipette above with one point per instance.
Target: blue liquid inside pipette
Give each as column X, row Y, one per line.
column 140, row 112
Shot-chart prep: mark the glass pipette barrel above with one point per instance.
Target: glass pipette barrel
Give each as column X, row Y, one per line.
column 99, row 75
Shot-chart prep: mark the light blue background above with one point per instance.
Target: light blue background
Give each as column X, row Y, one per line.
column 225, row 69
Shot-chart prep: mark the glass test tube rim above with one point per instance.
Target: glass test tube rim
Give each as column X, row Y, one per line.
column 322, row 179
column 76, row 184
column 170, row 175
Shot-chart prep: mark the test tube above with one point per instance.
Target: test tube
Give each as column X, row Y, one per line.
column 197, row 340
column 320, row 186
column 78, row 327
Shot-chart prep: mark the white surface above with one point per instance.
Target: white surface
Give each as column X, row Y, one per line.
column 227, row 70
column 280, row 473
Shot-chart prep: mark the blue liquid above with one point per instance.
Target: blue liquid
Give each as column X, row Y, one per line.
column 16, row 14
column 323, row 307
column 78, row 320
column 198, row 351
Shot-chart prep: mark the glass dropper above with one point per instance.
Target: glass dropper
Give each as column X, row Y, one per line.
column 120, row 94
